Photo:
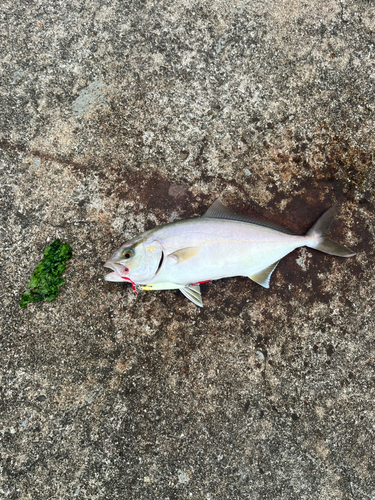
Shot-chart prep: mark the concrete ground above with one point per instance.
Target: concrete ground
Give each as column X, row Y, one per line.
column 117, row 116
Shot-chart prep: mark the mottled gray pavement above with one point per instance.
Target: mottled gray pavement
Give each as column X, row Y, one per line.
column 116, row 116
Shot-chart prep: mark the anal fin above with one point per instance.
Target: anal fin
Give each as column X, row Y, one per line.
column 193, row 293
column 263, row 276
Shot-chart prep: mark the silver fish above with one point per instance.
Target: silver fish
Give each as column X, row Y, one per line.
column 220, row 244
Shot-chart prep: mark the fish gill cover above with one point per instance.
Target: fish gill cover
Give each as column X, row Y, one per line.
column 45, row 281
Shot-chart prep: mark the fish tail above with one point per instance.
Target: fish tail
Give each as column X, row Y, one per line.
column 319, row 239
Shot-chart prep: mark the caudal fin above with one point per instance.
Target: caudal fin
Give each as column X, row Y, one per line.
column 321, row 242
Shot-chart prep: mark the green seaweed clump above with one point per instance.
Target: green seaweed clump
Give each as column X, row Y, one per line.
column 45, row 282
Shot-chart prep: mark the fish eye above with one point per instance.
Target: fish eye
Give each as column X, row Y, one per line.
column 127, row 253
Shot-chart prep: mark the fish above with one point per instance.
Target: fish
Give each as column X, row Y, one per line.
column 220, row 244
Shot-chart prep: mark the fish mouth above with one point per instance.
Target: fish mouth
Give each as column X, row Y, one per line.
column 119, row 271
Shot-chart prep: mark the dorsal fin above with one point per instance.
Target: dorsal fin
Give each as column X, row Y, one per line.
column 219, row 211
column 263, row 276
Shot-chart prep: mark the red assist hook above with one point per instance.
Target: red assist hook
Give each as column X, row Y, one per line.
column 132, row 283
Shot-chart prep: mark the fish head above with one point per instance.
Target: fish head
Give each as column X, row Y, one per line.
column 137, row 261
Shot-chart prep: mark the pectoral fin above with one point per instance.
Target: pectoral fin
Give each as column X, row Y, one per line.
column 184, row 254
column 193, row 293
column 263, row 276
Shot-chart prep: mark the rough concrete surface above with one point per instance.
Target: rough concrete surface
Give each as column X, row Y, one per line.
column 117, row 116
